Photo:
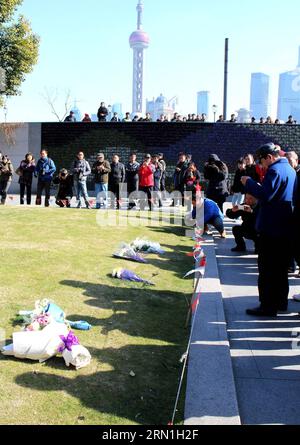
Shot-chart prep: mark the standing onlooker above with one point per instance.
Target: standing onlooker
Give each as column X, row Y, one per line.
column 216, row 172
column 86, row 118
column 164, row 174
column 101, row 169
column 127, row 118
column 6, row 174
column 180, row 170
column 221, row 119
column 192, row 183
column 81, row 170
column 116, row 177
column 71, row 117
column 290, row 121
column 158, row 172
column 274, row 223
column 65, row 190
column 233, row 119
column 146, row 179
column 102, row 112
column 293, row 159
column 132, row 179
column 26, row 171
column 253, row 170
column 237, row 188
column 44, row 171
column 115, row 117
column 148, row 118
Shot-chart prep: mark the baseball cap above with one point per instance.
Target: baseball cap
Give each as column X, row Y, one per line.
column 266, row 149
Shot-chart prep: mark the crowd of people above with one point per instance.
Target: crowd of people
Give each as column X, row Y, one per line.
column 265, row 197
column 104, row 115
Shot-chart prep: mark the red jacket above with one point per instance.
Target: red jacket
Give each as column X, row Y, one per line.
column 146, row 175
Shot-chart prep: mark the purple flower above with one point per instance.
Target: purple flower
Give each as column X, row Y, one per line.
column 69, row 341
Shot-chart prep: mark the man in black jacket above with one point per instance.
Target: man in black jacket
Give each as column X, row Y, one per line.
column 248, row 213
column 132, row 179
column 102, row 113
column 116, row 177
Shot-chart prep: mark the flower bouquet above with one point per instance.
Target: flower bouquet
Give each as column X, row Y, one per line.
column 144, row 245
column 128, row 275
column 126, row 252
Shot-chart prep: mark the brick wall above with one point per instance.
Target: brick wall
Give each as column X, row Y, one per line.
column 229, row 141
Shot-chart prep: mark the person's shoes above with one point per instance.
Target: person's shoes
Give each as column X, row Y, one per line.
column 47, row 204
column 238, row 249
column 260, row 312
column 223, row 234
column 88, row 205
column 22, row 202
column 79, row 205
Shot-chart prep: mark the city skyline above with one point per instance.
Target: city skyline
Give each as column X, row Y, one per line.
column 89, row 54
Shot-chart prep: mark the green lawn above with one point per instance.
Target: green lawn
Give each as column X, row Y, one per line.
column 63, row 255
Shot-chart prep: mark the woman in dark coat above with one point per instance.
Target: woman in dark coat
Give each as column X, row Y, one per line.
column 216, row 172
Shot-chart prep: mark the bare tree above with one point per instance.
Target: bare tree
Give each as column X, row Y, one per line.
column 58, row 101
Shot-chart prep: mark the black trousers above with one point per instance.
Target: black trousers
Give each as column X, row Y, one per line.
column 116, row 190
column 4, row 186
column 240, row 233
column 132, row 187
column 27, row 188
column 148, row 191
column 273, row 262
column 41, row 186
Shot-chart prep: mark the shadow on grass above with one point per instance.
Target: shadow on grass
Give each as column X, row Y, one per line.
column 138, row 312
column 147, row 398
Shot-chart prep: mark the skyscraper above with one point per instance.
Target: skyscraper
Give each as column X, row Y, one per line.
column 203, row 102
column 289, row 94
column 260, row 89
column 139, row 41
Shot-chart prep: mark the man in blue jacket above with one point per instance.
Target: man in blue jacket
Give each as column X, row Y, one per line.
column 44, row 171
column 274, row 226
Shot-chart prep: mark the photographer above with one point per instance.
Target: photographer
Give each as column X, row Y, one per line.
column 216, row 172
column 248, row 213
column 44, row 171
column 6, row 173
column 101, row 169
column 65, row 190
column 81, row 170
column 26, row 171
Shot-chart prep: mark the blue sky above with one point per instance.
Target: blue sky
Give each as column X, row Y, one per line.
column 84, row 48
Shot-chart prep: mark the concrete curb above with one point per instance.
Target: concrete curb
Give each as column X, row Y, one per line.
column 211, row 394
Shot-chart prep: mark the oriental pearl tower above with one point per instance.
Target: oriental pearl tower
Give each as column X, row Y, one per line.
column 139, row 41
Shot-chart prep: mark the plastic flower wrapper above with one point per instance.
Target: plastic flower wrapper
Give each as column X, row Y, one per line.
column 144, row 245
column 128, row 275
column 126, row 252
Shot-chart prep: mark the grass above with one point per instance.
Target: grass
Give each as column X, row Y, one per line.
column 64, row 255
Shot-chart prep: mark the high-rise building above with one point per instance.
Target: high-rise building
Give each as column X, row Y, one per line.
column 139, row 41
column 260, row 92
column 289, row 94
column 203, row 102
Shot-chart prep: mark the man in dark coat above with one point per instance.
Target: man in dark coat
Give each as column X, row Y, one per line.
column 216, row 172
column 116, row 178
column 274, row 226
column 247, row 228
column 179, row 173
column 102, row 113
column 132, row 179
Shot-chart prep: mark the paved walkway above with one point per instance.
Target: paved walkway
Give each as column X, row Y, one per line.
column 266, row 367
